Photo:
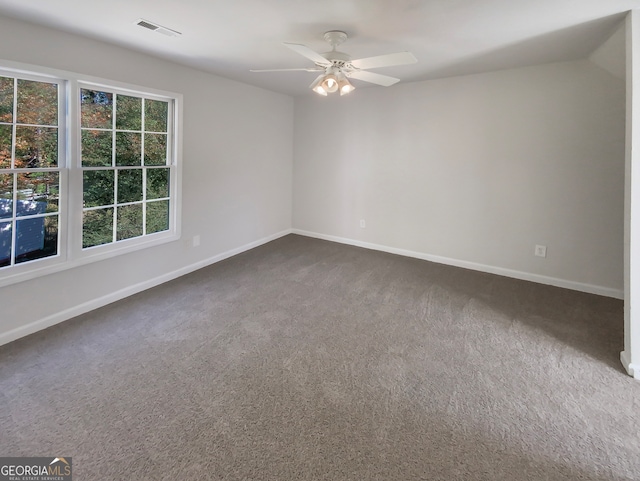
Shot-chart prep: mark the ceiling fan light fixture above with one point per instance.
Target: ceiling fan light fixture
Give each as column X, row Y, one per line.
column 345, row 86
column 320, row 90
column 316, row 86
column 330, row 83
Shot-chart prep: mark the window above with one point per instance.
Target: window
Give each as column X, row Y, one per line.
column 29, row 170
column 87, row 171
column 125, row 163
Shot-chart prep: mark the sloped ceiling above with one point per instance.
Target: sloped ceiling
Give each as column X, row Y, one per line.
column 611, row 55
column 449, row 37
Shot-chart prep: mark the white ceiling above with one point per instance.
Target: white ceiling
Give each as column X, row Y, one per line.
column 449, row 37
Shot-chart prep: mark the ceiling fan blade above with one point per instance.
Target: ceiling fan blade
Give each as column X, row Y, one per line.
column 374, row 78
column 317, row 69
column 305, row 51
column 399, row 58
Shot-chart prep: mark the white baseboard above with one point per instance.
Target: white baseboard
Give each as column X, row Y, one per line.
column 526, row 276
column 632, row 369
column 74, row 311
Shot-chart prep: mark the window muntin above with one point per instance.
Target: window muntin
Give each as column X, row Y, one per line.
column 30, row 169
column 126, row 166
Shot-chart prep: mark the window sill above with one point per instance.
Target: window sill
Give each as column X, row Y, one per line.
column 51, row 265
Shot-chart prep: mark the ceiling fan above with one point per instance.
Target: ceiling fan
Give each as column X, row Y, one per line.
column 338, row 67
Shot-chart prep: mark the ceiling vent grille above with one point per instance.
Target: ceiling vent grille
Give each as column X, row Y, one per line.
column 156, row 28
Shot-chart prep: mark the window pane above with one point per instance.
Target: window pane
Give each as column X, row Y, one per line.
column 6, row 196
column 5, row 243
column 128, row 148
column 96, row 148
column 27, row 206
column 155, row 149
column 155, row 115
column 30, row 207
column 157, row 216
column 36, row 238
column 129, row 185
column 157, row 183
column 6, row 99
column 37, row 103
column 96, row 109
column 5, row 146
column 128, row 113
column 41, row 188
column 36, row 147
column 129, row 221
column 98, row 187
column 97, row 227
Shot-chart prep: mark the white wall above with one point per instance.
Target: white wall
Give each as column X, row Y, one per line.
column 237, row 164
column 474, row 171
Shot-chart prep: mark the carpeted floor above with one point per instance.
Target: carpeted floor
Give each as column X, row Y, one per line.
column 308, row 360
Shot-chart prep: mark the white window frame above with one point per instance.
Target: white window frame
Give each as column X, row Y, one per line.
column 46, row 262
column 70, row 252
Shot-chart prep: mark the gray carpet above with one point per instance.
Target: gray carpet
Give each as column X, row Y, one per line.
column 308, row 360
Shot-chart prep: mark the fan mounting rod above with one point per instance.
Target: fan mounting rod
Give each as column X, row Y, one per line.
column 335, row 37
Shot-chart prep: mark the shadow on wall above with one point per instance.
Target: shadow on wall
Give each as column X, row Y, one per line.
column 535, row 51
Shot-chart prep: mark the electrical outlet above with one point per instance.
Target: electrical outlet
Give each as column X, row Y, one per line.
column 196, row 240
column 363, row 224
column 541, row 251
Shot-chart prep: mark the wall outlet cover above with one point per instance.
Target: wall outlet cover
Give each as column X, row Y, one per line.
column 541, row 251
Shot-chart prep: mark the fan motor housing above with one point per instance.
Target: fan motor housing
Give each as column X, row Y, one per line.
column 337, row 58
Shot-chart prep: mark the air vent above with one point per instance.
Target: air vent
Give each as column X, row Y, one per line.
column 157, row 28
